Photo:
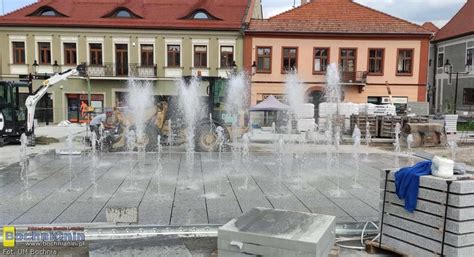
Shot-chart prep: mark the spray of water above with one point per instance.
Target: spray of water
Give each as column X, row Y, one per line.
column 397, row 137
column 294, row 91
column 190, row 105
column 140, row 102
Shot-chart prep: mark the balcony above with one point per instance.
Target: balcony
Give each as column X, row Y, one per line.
column 122, row 70
column 354, row 77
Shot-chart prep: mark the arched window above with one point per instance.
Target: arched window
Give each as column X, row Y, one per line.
column 47, row 11
column 123, row 13
column 200, row 15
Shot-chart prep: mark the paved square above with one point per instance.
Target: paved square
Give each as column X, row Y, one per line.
column 175, row 189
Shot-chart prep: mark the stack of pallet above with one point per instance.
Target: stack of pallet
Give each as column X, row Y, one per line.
column 451, row 124
column 421, row 233
column 387, row 125
column 362, row 120
column 415, row 119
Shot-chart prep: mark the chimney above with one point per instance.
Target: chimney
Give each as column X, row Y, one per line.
column 303, row 2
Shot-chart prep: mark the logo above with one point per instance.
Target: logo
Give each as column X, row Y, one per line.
column 8, row 236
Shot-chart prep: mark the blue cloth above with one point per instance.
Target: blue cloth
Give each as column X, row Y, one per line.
column 407, row 181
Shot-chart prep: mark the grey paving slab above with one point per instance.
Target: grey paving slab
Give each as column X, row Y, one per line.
column 12, row 207
column 189, row 206
column 222, row 203
column 168, row 191
column 46, row 210
column 157, row 202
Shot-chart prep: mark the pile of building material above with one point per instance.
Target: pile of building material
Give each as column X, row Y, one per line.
column 451, row 123
column 362, row 120
column 304, row 114
column 277, row 233
column 424, row 134
column 435, row 220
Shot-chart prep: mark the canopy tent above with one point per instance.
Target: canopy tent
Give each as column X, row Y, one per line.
column 270, row 104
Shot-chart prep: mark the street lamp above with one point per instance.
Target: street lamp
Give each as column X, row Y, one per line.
column 448, row 69
column 234, row 67
column 55, row 67
column 35, row 67
column 254, row 68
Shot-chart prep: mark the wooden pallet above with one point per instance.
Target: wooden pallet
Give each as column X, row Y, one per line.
column 362, row 120
column 374, row 247
column 387, row 126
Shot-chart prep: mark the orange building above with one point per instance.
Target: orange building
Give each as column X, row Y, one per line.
column 371, row 49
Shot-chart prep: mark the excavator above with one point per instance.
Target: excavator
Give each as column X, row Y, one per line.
column 17, row 118
column 159, row 123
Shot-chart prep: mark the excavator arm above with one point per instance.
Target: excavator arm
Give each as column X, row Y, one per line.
column 33, row 100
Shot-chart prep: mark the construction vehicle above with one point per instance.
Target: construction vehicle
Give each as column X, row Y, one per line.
column 17, row 118
column 158, row 123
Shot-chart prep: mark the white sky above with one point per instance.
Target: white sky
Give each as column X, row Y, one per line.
column 418, row 11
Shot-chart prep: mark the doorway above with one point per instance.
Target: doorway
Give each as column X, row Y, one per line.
column 121, row 59
column 316, row 97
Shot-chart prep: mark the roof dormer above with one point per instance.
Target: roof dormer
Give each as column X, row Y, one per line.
column 122, row 13
column 200, row 14
column 46, row 11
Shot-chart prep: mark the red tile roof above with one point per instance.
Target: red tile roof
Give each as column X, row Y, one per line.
column 461, row 24
column 430, row 26
column 335, row 16
column 156, row 14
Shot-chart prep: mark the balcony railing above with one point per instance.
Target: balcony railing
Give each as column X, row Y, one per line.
column 355, row 77
column 122, row 70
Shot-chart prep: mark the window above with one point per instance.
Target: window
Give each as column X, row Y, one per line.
column 95, row 54
column 348, row 61
column 376, row 60
column 201, row 16
column 405, row 62
column 200, row 56
column 227, row 56
column 48, row 13
column 289, row 59
column 147, row 55
column 18, row 52
column 264, row 59
column 469, row 54
column 122, row 13
column 321, row 60
column 70, row 54
column 440, row 63
column 174, row 56
column 468, row 96
column 44, row 52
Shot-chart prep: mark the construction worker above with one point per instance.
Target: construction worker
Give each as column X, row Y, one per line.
column 99, row 120
column 84, row 108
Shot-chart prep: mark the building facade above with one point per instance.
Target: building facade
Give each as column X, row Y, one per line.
column 155, row 41
column 454, row 50
column 371, row 50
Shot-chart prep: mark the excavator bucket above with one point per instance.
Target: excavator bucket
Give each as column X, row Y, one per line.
column 82, row 69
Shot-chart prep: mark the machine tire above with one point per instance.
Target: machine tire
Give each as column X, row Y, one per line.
column 152, row 132
column 205, row 139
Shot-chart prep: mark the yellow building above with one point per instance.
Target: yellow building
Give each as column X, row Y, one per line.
column 156, row 41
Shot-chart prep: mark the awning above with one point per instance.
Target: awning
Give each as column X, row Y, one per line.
column 270, row 104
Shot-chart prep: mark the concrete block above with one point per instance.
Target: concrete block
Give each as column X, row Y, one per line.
column 407, row 248
column 264, row 230
column 121, row 214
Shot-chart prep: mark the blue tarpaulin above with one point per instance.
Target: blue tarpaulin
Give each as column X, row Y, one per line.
column 407, row 182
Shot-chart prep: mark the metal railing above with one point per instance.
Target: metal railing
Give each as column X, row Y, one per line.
column 121, row 70
column 359, row 77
